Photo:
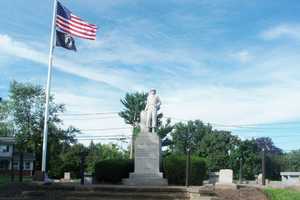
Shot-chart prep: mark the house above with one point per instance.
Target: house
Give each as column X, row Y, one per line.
column 290, row 177
column 9, row 157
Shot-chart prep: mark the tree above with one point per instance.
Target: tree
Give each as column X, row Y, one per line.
column 98, row 152
column 188, row 135
column 70, row 161
column 23, row 113
column 6, row 127
column 250, row 154
column 133, row 104
column 217, row 146
column 291, row 161
column 163, row 132
column 203, row 141
column 267, row 144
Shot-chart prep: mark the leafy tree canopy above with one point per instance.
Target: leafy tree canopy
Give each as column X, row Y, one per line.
column 23, row 117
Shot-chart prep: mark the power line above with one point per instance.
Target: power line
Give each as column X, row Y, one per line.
column 105, row 129
column 120, row 139
column 79, row 119
column 84, row 114
column 100, row 136
column 244, row 126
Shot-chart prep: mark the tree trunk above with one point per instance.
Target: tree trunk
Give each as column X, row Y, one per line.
column 21, row 166
column 12, row 172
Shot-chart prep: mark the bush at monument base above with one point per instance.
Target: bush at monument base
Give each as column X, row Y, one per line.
column 175, row 167
column 113, row 171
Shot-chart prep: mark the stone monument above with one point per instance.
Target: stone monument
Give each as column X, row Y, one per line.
column 147, row 148
column 225, row 179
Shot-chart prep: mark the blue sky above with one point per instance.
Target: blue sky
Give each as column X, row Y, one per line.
column 232, row 63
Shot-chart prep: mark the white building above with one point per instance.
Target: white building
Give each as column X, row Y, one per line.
column 290, row 177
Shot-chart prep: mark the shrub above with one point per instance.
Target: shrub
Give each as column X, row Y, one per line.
column 113, row 171
column 175, row 167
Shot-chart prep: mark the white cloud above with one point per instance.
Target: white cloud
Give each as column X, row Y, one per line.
column 234, row 106
column 217, row 97
column 283, row 30
column 22, row 50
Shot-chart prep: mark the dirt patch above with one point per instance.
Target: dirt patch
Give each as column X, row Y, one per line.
column 247, row 193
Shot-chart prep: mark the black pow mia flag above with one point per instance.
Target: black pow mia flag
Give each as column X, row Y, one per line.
column 65, row 40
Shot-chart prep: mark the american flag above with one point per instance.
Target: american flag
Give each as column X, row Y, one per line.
column 72, row 24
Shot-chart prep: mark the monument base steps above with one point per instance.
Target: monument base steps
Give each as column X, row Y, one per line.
column 102, row 192
column 226, row 186
column 145, row 180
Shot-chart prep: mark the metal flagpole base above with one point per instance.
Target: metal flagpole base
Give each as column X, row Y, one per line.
column 46, row 179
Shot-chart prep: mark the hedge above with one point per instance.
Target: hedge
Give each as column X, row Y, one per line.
column 175, row 169
column 113, row 171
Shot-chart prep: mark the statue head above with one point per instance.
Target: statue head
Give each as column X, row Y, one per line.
column 152, row 91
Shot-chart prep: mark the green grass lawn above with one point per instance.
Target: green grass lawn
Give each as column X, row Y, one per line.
column 6, row 179
column 282, row 194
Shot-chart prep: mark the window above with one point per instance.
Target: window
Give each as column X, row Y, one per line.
column 16, row 165
column 27, row 165
column 4, row 148
column 4, row 164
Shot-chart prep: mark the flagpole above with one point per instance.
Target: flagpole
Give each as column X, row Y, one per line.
column 45, row 134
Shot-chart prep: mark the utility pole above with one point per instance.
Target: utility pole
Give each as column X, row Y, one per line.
column 187, row 169
column 241, row 171
column 188, row 156
column 82, row 161
column 263, row 167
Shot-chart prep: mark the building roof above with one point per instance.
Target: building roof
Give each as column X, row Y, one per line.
column 26, row 156
column 7, row 140
column 290, row 173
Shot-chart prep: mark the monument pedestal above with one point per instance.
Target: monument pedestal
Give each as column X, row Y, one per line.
column 146, row 161
column 226, row 180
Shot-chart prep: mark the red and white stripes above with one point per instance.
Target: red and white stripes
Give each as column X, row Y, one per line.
column 77, row 27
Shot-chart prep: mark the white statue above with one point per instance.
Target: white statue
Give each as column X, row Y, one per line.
column 143, row 121
column 153, row 104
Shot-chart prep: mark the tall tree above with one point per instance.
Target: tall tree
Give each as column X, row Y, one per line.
column 217, row 146
column 291, row 161
column 133, row 104
column 6, row 127
column 24, row 113
column 250, row 154
column 203, row 141
column 267, row 144
column 98, row 152
column 189, row 134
